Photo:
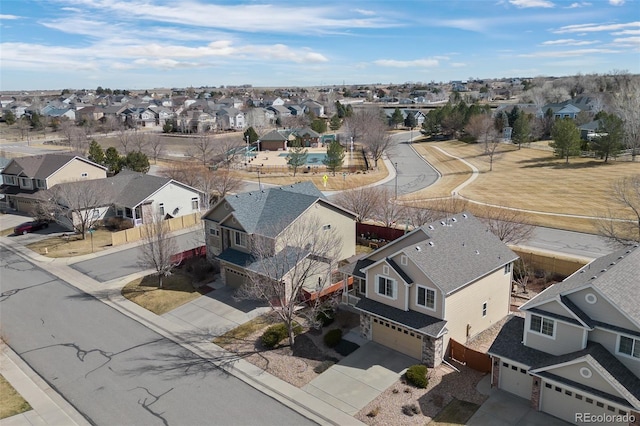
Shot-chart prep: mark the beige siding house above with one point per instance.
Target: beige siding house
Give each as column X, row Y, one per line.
column 24, row 177
column 577, row 350
column 447, row 280
column 237, row 222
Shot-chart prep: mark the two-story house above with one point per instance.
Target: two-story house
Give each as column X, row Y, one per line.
column 23, row 177
column 237, row 221
column 576, row 352
column 447, row 280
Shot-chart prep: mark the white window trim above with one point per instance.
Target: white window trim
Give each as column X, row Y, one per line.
column 197, row 203
column 214, row 231
column 507, row 268
column 10, row 180
column 385, row 270
column 404, row 260
column 485, row 309
column 235, row 239
column 394, row 287
column 161, row 208
column 435, row 295
column 636, row 341
column 26, row 183
column 540, row 333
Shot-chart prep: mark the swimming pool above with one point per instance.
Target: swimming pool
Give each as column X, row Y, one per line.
column 312, row 159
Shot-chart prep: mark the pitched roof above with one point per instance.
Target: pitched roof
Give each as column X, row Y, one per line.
column 274, row 135
column 41, row 166
column 412, row 319
column 457, row 251
column 269, row 211
column 616, row 276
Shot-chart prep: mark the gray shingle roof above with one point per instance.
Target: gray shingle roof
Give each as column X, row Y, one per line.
column 459, row 252
column 39, row 166
column 355, row 266
column 269, row 211
column 285, row 260
column 616, row 275
column 418, row 321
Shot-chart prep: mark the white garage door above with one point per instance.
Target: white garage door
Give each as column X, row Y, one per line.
column 565, row 403
column 397, row 338
column 234, row 279
column 515, row 379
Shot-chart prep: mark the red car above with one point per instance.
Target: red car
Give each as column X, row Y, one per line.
column 27, row 227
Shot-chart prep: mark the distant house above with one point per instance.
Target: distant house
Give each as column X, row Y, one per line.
column 230, row 119
column 24, row 177
column 570, row 108
column 447, row 280
column 235, row 222
column 577, row 350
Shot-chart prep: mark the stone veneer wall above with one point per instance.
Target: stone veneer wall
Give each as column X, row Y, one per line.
column 495, row 372
column 365, row 326
column 223, row 275
column 636, row 418
column 431, row 351
column 535, row 394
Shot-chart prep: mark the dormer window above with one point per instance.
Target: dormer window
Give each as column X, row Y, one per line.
column 629, row 347
column 10, row 180
column 544, row 326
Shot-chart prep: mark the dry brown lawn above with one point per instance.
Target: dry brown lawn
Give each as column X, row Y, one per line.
column 529, row 179
column 11, row 402
column 177, row 289
column 72, row 245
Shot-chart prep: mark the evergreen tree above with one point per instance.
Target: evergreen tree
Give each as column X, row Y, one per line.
column 113, row 160
column 410, row 121
column 566, row 139
column 348, row 111
column 297, row 156
column 396, row 118
column 521, row 130
column 319, row 125
column 137, row 161
column 610, row 135
column 335, row 123
column 253, row 135
column 9, row 117
column 341, row 111
column 335, row 157
column 96, row 154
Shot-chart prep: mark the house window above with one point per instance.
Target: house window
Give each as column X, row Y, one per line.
column 507, row 268
column 214, row 232
column 326, row 227
column 119, row 211
column 40, row 183
column 128, row 212
column 363, row 285
column 161, row 209
column 385, row 269
column 195, row 205
column 10, row 180
column 240, row 239
column 484, row 309
column 426, row 297
column 386, row 287
column 25, row 182
column 542, row 325
column 629, row 346
column 403, row 260
column 95, row 214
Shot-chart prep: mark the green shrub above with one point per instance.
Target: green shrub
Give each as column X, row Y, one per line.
column 333, row 337
column 326, row 317
column 277, row 333
column 417, row 375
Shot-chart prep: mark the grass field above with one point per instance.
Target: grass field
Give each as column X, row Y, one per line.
column 177, row 290
column 11, row 403
column 529, row 179
column 72, row 245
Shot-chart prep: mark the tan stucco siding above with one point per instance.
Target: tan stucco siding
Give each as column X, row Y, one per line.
column 397, row 245
column 73, row 170
column 609, row 340
column 220, row 211
column 601, row 310
column 596, row 381
column 464, row 307
column 567, row 338
column 176, row 199
column 401, row 293
column 554, row 307
column 413, row 298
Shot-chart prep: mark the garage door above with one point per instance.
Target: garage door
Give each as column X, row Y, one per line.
column 515, row 379
column 397, row 338
column 565, row 403
column 234, row 279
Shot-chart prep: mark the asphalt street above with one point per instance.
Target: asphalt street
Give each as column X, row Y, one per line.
column 413, row 172
column 112, row 369
column 126, row 262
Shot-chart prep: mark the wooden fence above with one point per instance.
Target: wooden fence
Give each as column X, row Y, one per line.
column 552, row 263
column 135, row 234
column 473, row 359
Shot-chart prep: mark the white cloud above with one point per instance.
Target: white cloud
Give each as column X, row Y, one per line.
column 628, row 41
column 531, row 3
column 588, row 28
column 365, row 12
column 8, row 17
column 626, row 32
column 616, row 2
column 421, row 63
column 578, row 5
column 458, row 64
column 567, row 53
column 569, row 42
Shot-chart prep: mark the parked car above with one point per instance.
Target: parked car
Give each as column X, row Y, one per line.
column 27, row 227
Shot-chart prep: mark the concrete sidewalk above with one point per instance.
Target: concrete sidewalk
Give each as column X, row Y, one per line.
column 48, row 407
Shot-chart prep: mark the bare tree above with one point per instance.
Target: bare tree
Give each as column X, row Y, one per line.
column 67, row 128
column 222, row 181
column 626, row 104
column 159, row 248
column 369, row 128
column 625, row 201
column 522, row 273
column 227, row 149
column 155, row 147
column 388, row 210
column 80, row 141
column 483, row 129
column 421, row 212
column 361, row 201
column 307, row 257
column 125, row 138
column 139, row 141
column 202, row 148
column 510, row 226
column 74, row 204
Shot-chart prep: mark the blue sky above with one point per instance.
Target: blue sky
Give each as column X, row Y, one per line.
column 139, row 44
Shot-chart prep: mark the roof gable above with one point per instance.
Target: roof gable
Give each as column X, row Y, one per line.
column 42, row 166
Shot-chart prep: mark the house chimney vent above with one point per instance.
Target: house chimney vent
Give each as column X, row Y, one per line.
column 464, row 215
column 418, row 248
column 431, row 243
column 477, row 252
column 431, row 227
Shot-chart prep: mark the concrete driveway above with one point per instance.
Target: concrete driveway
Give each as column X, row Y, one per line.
column 360, row 377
